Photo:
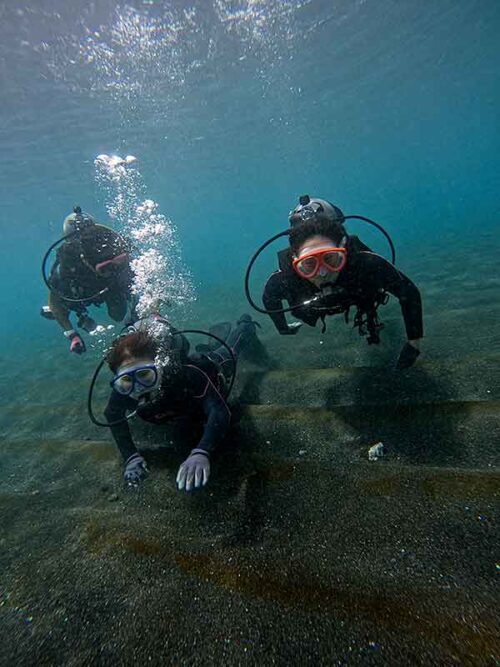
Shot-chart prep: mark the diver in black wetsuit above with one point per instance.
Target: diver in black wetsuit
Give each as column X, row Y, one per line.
column 155, row 375
column 92, row 261
column 326, row 272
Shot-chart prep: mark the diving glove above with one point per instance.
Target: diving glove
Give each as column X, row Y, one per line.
column 76, row 343
column 407, row 356
column 195, row 471
column 291, row 329
column 135, row 470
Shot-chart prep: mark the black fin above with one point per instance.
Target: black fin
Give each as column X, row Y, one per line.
column 221, row 330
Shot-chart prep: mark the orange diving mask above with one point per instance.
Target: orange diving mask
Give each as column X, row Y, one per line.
column 331, row 260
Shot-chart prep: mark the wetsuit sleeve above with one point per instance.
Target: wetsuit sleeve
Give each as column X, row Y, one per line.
column 117, row 409
column 218, row 418
column 407, row 293
column 272, row 298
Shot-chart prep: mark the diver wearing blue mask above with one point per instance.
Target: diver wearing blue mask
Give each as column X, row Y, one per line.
column 155, row 376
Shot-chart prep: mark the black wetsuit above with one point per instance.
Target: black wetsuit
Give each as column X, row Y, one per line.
column 196, row 390
column 364, row 284
column 73, row 273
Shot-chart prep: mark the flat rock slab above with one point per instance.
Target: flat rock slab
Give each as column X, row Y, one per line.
column 462, row 380
column 438, row 433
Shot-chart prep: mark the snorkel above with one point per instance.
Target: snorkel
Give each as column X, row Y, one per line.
column 306, row 210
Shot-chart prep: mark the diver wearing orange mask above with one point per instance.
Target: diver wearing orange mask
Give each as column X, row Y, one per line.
column 327, row 272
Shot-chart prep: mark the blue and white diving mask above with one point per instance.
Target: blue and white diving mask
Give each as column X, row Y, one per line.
column 136, row 380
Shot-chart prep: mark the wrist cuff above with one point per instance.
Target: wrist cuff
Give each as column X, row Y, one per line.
column 134, row 456
column 70, row 333
column 197, row 450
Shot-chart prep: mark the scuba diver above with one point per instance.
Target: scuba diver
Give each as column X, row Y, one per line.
column 92, row 266
column 325, row 271
column 156, row 377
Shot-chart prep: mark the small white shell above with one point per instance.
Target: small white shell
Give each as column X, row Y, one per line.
column 376, row 451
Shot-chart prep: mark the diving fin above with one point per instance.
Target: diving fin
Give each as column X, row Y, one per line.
column 221, row 330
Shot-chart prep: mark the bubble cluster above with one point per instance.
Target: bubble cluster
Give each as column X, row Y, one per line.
column 137, row 50
column 161, row 282
column 259, row 23
column 132, row 55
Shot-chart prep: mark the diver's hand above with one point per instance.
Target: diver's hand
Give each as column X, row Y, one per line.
column 195, row 471
column 407, row 356
column 292, row 329
column 76, row 343
column 135, row 470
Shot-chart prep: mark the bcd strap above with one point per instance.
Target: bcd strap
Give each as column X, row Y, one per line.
column 368, row 324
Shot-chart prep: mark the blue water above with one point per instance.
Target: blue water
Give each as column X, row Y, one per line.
column 390, row 109
column 234, row 108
